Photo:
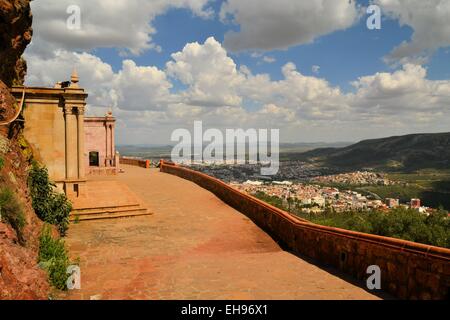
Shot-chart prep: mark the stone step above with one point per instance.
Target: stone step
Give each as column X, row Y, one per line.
column 110, row 215
column 112, row 209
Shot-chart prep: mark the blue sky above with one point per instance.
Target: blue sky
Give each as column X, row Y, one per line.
column 343, row 56
column 311, row 68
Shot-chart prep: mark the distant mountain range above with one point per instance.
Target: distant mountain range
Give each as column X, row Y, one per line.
column 164, row 151
column 402, row 153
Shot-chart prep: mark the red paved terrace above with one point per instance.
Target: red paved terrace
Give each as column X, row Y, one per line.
column 194, row 246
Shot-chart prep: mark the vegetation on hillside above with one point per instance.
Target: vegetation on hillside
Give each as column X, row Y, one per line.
column 405, row 153
column 51, row 206
column 53, row 258
column 398, row 223
column 11, row 212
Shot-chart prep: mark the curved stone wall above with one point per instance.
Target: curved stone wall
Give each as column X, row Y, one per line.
column 135, row 162
column 409, row 270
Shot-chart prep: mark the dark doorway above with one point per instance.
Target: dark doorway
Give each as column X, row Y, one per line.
column 93, row 159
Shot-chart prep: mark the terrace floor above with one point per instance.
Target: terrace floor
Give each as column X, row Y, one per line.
column 194, row 246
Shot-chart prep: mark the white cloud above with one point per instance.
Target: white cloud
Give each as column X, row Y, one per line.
column 404, row 93
column 122, row 24
column 141, row 87
column 256, row 55
column 95, row 74
column 215, row 91
column 315, row 69
column 309, row 97
column 211, row 76
column 430, row 22
column 280, row 24
column 267, row 59
column 262, row 58
column 132, row 88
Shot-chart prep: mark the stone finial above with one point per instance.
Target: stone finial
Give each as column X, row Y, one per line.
column 74, row 79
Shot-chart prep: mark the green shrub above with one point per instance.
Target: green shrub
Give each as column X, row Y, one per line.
column 407, row 224
column 11, row 212
column 49, row 205
column 53, row 258
column 272, row 200
column 2, row 163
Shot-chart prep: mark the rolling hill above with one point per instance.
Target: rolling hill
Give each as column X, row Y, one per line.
column 402, row 153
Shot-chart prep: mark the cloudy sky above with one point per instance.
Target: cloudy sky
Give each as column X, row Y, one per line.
column 310, row 68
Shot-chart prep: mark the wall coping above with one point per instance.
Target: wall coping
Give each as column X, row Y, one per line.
column 135, row 161
column 47, row 90
column 99, row 119
column 394, row 243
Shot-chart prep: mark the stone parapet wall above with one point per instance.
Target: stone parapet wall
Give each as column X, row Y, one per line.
column 409, row 270
column 135, row 162
column 105, row 171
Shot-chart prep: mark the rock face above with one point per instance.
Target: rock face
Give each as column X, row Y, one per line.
column 20, row 276
column 15, row 35
column 7, row 103
column 16, row 32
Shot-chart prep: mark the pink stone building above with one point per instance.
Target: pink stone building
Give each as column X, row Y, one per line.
column 100, row 150
column 415, row 203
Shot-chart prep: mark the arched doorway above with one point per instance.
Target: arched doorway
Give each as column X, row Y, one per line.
column 94, row 159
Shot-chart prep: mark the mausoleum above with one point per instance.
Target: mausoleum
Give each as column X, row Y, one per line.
column 100, row 152
column 69, row 144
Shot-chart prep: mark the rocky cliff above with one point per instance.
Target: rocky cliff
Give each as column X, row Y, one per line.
column 20, row 277
column 16, row 32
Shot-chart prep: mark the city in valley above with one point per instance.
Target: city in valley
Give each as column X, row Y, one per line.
column 312, row 198
column 298, row 185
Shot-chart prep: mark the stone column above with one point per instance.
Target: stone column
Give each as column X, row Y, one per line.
column 112, row 144
column 81, row 160
column 106, row 143
column 68, row 124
